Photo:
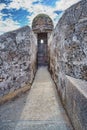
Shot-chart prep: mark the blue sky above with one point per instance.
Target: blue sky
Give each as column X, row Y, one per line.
column 19, row 13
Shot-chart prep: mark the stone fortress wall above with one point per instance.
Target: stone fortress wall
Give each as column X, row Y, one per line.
column 17, row 59
column 68, row 62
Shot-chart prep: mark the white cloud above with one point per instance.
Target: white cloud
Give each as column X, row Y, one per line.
column 64, row 4
column 17, row 4
column 8, row 25
column 39, row 8
column 27, row 4
column 2, row 6
column 36, row 9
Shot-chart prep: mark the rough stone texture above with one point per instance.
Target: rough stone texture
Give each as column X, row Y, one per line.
column 17, row 59
column 42, row 23
column 68, row 52
column 69, row 41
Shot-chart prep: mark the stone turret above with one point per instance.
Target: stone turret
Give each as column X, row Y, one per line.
column 42, row 23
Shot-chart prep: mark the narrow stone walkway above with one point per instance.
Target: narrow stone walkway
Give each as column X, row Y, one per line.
column 38, row 109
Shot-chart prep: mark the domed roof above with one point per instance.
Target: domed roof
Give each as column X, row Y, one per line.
column 42, row 23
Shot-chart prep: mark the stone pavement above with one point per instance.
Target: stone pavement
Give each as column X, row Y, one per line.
column 38, row 109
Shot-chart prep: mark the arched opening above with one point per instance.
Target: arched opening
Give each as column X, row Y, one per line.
column 42, row 26
column 42, row 57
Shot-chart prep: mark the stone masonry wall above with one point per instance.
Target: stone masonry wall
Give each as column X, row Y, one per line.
column 68, row 55
column 17, row 59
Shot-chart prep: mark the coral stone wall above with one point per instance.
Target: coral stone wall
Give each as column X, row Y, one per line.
column 69, row 41
column 17, row 59
column 68, row 56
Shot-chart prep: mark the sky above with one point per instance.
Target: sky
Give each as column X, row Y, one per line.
column 18, row 13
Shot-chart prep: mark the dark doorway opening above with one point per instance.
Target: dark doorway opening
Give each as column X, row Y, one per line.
column 42, row 57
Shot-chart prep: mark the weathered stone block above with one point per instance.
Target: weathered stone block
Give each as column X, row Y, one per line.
column 76, row 102
column 17, row 56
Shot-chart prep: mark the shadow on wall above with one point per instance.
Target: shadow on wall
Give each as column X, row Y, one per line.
column 68, row 57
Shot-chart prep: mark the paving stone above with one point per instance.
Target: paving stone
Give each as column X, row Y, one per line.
column 38, row 109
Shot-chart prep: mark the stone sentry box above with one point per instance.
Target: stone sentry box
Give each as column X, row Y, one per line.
column 42, row 26
column 17, row 60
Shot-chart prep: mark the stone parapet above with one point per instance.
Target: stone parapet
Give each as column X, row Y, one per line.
column 76, row 102
column 68, row 56
column 69, row 42
column 17, row 59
